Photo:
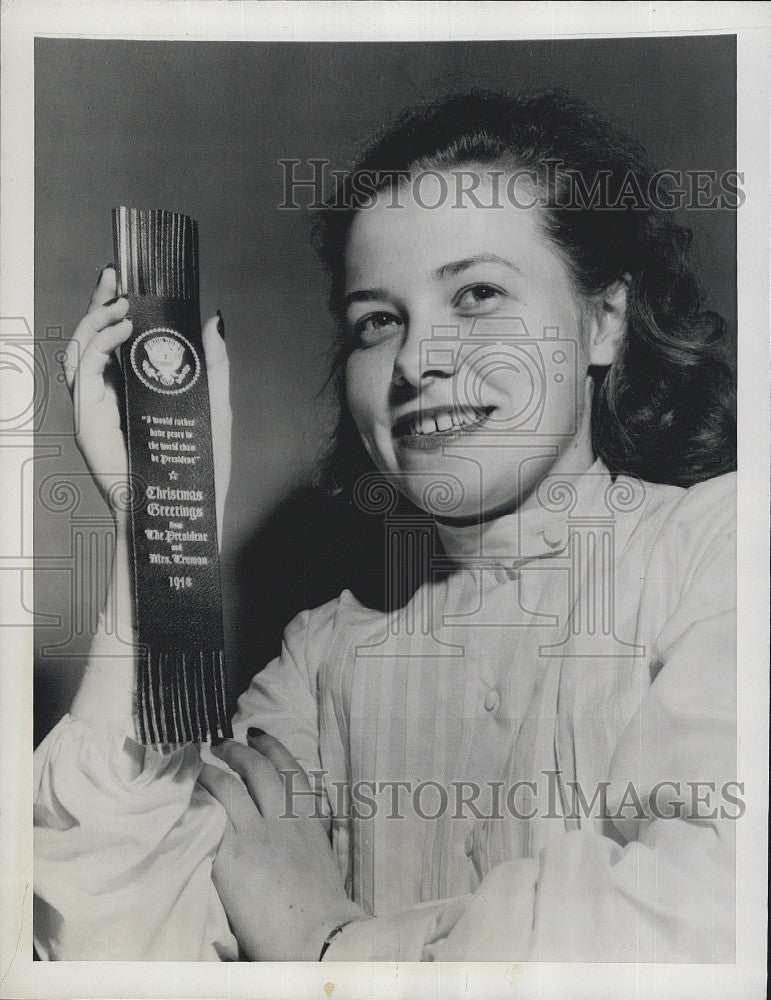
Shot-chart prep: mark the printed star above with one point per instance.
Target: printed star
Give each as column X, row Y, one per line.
column 173, row 475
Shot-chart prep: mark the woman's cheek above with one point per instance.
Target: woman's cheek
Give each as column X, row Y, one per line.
column 368, row 382
column 363, row 401
column 354, row 389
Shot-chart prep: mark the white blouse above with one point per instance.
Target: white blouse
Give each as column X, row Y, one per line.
column 533, row 760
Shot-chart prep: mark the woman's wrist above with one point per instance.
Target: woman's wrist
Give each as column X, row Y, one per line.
column 336, row 930
column 105, row 696
column 324, row 937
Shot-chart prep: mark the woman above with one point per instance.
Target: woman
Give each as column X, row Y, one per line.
column 532, row 758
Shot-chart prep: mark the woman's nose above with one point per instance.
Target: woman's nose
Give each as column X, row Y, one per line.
column 426, row 351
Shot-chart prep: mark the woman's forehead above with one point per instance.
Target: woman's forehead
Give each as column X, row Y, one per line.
column 416, row 230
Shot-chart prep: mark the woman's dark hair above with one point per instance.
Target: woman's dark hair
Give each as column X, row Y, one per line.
column 664, row 410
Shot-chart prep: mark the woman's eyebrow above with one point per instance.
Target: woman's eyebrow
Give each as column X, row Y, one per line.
column 365, row 295
column 458, row 266
column 445, row 271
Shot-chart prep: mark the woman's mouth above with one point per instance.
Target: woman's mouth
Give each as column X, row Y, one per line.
column 426, row 430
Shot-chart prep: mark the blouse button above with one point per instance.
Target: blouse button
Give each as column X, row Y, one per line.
column 492, row 701
column 468, row 844
column 555, row 530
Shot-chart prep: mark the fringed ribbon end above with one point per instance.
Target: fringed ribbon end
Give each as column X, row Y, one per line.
column 182, row 697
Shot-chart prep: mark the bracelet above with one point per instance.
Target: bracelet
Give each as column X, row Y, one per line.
column 332, row 935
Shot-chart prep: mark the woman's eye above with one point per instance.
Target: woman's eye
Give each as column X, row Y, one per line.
column 375, row 327
column 478, row 298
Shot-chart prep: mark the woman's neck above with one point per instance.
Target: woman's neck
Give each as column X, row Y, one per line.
column 527, row 527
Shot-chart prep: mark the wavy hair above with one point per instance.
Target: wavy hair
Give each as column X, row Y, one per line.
column 665, row 409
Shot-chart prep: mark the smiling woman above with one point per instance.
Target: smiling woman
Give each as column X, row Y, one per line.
column 665, row 413
column 517, row 745
column 440, row 325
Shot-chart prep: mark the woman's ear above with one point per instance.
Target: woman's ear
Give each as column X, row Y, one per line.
column 608, row 324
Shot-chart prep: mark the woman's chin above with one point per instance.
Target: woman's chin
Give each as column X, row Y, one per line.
column 447, row 499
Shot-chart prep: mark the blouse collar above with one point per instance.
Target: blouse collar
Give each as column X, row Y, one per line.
column 538, row 529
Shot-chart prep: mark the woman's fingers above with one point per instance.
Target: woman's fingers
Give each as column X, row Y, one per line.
column 105, row 288
column 218, row 376
column 103, row 309
column 231, row 795
column 260, row 777
column 92, row 361
column 299, row 797
column 217, row 367
column 278, row 755
column 99, row 333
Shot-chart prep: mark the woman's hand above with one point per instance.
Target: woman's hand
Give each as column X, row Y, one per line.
column 274, row 871
column 91, row 370
column 105, row 697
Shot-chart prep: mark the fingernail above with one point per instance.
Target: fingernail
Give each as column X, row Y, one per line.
column 106, row 268
column 254, row 733
column 220, row 325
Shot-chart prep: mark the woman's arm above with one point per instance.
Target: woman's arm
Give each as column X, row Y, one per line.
column 123, row 860
column 105, row 698
column 106, row 693
column 662, row 889
column 275, row 871
column 124, row 839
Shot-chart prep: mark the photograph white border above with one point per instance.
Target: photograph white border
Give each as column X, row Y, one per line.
column 22, row 21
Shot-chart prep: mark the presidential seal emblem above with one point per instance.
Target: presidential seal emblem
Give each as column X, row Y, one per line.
column 165, row 361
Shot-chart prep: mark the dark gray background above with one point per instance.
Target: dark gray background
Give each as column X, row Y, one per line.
column 200, row 128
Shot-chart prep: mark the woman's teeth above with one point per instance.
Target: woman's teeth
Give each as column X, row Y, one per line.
column 447, row 420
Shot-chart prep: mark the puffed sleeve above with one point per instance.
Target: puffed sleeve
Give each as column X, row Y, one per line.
column 662, row 888
column 282, row 699
column 123, row 859
column 124, row 837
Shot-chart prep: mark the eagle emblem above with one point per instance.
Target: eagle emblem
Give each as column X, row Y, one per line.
column 165, row 361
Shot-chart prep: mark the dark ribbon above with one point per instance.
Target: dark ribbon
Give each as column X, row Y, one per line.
column 182, row 688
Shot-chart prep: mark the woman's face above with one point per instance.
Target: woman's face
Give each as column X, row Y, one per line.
column 467, row 375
